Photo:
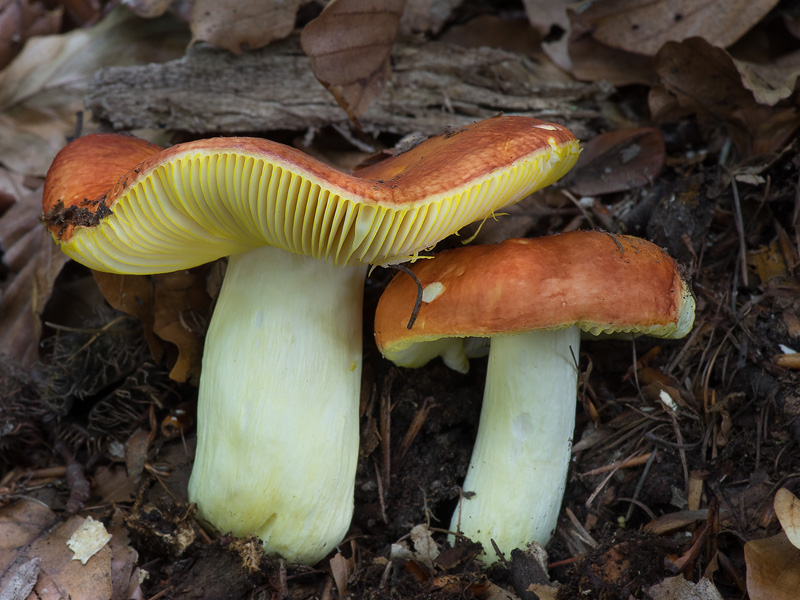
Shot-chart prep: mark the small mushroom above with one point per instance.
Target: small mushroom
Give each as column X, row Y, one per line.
column 533, row 297
column 279, row 390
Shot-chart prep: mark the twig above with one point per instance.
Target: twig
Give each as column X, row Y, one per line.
column 78, row 131
column 651, row 437
column 414, row 429
column 640, row 504
column 385, row 426
column 378, row 478
column 633, row 462
column 603, row 483
column 162, row 593
column 418, row 301
column 640, row 484
column 616, row 241
column 740, row 230
column 635, row 360
column 581, row 530
column 571, row 197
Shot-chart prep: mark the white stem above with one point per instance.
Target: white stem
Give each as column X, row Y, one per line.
column 519, row 463
column 277, row 435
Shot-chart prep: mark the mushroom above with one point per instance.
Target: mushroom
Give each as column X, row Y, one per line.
column 533, row 297
column 279, row 390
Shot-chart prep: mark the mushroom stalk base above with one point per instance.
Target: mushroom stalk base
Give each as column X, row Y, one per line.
column 519, row 463
column 277, row 436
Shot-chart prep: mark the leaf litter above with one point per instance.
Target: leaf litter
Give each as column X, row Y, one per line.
column 685, row 462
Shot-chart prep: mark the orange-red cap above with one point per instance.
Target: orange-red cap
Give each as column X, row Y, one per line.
column 596, row 281
column 122, row 205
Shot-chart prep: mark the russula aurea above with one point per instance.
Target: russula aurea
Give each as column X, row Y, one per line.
column 533, row 297
column 278, row 400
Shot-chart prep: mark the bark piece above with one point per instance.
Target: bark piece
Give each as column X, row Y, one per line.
column 433, row 86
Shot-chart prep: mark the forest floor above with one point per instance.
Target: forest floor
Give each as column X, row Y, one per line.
column 680, row 446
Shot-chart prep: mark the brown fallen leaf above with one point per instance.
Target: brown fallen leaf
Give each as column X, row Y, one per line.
column 696, row 77
column 173, row 307
column 426, row 15
column 620, row 160
column 773, row 568
column 149, row 9
column 495, row 31
column 678, row 588
column 20, row 523
column 125, row 575
column 771, row 82
column 43, row 88
column 675, row 521
column 33, row 262
column 341, row 569
column 238, row 25
column 544, row 14
column 20, row 20
column 580, row 53
column 768, row 264
column 349, row 45
column 787, row 509
column 113, row 484
column 132, row 294
column 644, row 26
column 19, row 582
column 27, row 532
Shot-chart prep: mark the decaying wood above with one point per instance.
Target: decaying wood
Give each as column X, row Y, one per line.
column 433, row 86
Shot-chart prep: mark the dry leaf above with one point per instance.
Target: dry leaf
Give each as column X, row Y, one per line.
column 590, row 60
column 349, row 45
column 21, row 19
column 768, row 263
column 787, row 509
column 20, row 523
column 773, row 568
column 133, row 295
column 182, row 310
column 26, row 532
column 173, row 307
column 425, row 549
column 42, row 89
column 136, row 448
column 148, row 9
column 20, row 580
column 771, row 82
column 238, row 25
column 113, row 484
column 699, row 78
column 617, row 161
column 91, row 581
column 544, row 14
column 644, row 26
column 426, row 15
column 677, row 588
column 88, row 540
column 543, row 592
column 340, row 569
column 493, row 31
column 34, row 262
column 125, row 575
column 676, row 521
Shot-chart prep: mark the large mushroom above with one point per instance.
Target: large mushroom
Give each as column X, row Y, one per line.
column 533, row 297
column 278, row 399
